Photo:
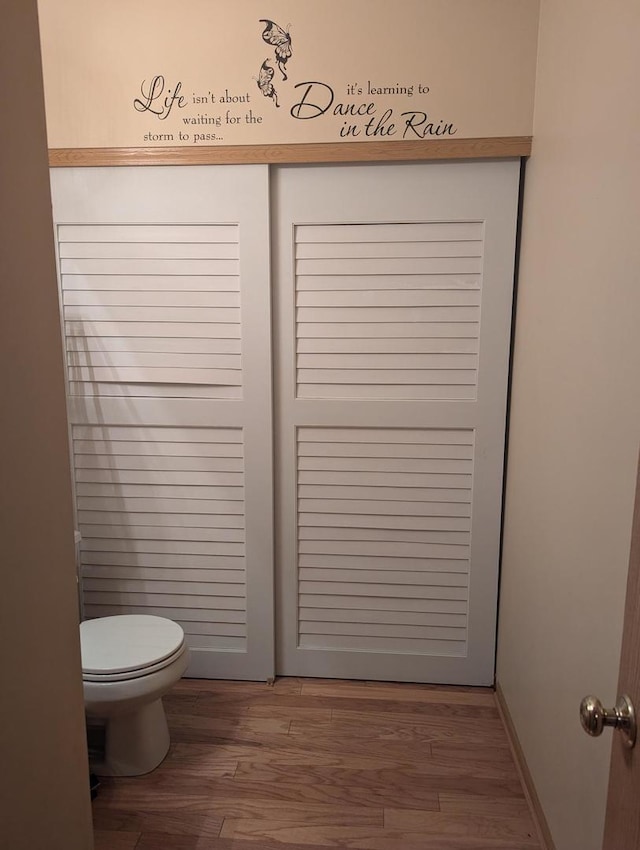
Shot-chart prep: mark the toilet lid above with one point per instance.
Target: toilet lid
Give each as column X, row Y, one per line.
column 127, row 642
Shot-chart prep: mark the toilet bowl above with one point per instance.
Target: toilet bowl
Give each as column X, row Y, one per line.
column 129, row 662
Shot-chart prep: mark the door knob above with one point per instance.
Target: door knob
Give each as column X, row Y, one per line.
column 622, row 716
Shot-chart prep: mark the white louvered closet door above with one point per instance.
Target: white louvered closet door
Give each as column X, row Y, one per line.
column 394, row 292
column 164, row 276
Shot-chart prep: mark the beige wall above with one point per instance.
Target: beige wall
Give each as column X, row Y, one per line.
column 575, row 425
column 475, row 57
column 44, row 797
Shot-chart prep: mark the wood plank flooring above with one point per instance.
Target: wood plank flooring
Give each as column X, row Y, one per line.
column 309, row 764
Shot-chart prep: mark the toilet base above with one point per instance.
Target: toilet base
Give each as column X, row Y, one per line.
column 135, row 743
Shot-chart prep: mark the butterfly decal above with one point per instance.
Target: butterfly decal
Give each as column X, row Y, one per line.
column 265, row 83
column 281, row 40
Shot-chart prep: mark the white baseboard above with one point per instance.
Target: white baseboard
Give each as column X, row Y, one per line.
column 540, row 822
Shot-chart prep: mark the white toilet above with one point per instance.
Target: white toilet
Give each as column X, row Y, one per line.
column 128, row 662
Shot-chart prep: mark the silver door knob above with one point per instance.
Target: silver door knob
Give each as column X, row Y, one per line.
column 594, row 717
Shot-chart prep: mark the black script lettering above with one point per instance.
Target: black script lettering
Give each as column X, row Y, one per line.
column 380, row 127
column 151, row 102
column 421, row 127
column 354, row 109
column 315, row 101
column 349, row 130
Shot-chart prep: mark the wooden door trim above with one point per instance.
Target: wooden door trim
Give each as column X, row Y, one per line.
column 433, row 149
column 537, row 813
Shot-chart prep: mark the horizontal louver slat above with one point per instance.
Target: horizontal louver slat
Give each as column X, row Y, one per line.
column 152, row 360
column 354, row 492
column 152, row 545
column 147, row 453
column 177, row 588
column 160, row 505
column 390, row 282
column 124, row 533
column 146, row 233
column 189, row 598
column 117, row 573
column 409, row 345
column 382, row 451
column 199, row 616
column 160, row 491
column 384, row 508
column 389, row 392
column 364, row 521
column 147, row 476
column 152, row 345
column 393, row 436
column 379, row 630
column 418, row 232
column 392, row 605
column 116, row 265
column 96, row 389
column 360, row 266
column 337, row 315
column 180, row 377
column 393, row 376
column 314, row 533
column 385, row 644
column 164, row 330
column 172, row 561
column 387, row 329
column 153, row 462
column 157, row 435
column 122, row 298
column 154, row 282
column 390, row 298
column 351, row 616
column 154, row 314
column 174, row 520
column 443, row 568
column 364, row 589
column 387, row 361
column 436, row 248
column 150, row 250
column 387, row 471
column 383, row 549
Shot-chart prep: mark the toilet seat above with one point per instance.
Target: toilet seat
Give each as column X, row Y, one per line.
column 128, row 646
column 138, row 672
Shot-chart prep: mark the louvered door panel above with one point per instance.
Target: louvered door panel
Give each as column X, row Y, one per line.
column 165, row 308
column 393, row 289
column 132, row 562
column 152, row 310
column 373, row 553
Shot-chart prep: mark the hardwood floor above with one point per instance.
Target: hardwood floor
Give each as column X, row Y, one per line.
column 309, row 764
